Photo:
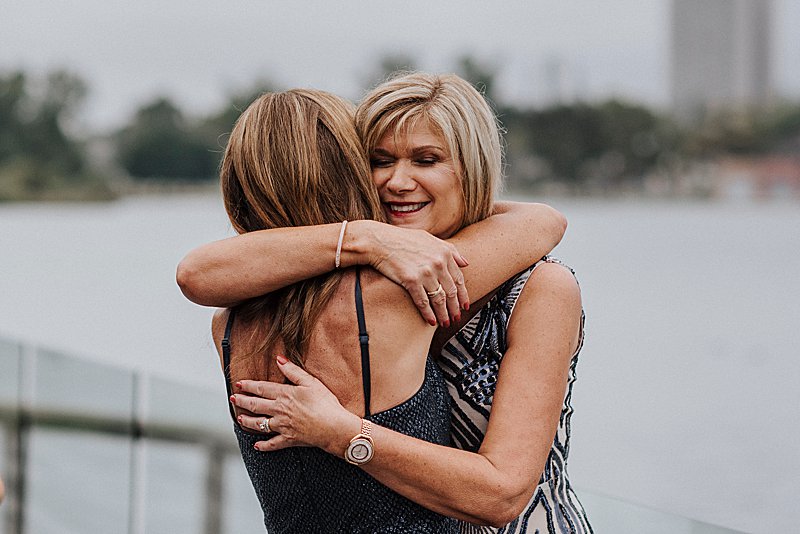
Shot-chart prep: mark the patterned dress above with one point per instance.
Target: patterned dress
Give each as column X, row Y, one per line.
column 470, row 361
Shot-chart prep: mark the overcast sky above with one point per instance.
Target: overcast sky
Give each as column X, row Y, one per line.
column 197, row 52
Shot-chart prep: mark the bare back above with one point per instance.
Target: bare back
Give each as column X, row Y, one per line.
column 398, row 344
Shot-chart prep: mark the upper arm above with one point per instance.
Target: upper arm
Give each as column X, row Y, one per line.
column 502, row 245
column 542, row 336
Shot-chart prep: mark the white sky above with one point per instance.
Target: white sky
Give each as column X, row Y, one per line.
column 199, row 51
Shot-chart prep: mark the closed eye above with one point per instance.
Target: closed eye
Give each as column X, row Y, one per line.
column 381, row 162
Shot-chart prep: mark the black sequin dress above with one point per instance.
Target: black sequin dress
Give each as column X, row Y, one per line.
column 306, row 490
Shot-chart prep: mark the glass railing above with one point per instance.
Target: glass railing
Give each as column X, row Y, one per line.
column 90, row 448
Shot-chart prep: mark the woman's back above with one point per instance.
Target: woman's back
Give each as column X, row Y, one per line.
column 307, row 490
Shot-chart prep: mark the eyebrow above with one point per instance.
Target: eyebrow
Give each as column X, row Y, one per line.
column 384, row 152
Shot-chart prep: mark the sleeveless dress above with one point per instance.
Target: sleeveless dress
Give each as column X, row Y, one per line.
column 306, row 490
column 470, row 361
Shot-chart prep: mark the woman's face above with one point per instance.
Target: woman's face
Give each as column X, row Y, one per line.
column 418, row 181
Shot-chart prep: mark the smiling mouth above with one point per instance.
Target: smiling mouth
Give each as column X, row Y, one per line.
column 401, row 209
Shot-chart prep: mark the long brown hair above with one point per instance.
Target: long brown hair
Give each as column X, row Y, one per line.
column 294, row 159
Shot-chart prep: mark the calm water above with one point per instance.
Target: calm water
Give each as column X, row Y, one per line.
column 686, row 397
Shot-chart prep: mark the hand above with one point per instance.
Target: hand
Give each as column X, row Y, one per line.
column 419, row 262
column 305, row 414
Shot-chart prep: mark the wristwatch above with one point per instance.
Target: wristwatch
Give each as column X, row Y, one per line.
column 361, row 447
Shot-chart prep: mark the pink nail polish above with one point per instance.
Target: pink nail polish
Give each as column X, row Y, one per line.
column 281, row 359
column 233, row 400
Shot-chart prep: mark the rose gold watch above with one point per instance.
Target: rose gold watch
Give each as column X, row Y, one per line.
column 361, row 447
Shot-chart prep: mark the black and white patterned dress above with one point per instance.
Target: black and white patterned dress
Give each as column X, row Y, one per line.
column 470, row 361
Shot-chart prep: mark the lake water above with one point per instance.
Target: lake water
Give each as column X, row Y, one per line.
column 686, row 398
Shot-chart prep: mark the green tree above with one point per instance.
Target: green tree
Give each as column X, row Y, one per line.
column 161, row 144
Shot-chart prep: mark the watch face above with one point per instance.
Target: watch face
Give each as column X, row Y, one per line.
column 360, row 451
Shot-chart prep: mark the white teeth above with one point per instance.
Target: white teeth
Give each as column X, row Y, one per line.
column 407, row 207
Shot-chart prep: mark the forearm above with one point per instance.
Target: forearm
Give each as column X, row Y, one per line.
column 453, row 482
column 223, row 273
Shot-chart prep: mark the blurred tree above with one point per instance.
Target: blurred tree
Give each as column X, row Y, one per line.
column 605, row 143
column 215, row 128
column 39, row 158
column 160, row 144
column 479, row 74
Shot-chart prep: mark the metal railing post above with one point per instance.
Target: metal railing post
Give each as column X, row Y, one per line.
column 214, row 489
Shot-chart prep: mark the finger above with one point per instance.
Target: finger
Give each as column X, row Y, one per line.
column 420, row 297
column 451, row 290
column 260, row 388
column 461, row 287
column 293, row 372
column 277, row 443
column 253, row 423
column 438, row 303
column 254, row 405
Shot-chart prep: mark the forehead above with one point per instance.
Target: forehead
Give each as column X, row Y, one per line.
column 413, row 132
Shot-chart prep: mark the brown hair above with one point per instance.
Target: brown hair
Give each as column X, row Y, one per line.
column 294, row 159
column 463, row 117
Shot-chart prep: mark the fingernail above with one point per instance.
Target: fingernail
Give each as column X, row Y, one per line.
column 239, row 419
column 281, row 359
column 432, row 322
column 457, row 318
column 466, row 306
column 238, row 385
column 256, row 446
column 233, row 400
column 446, row 324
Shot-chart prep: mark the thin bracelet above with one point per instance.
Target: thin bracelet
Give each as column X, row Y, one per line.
column 339, row 245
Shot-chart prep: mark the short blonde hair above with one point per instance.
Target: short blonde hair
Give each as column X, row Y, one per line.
column 463, row 117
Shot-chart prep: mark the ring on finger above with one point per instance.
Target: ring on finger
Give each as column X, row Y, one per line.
column 436, row 292
column 264, row 425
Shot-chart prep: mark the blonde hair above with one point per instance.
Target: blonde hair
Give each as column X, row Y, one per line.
column 294, row 159
column 462, row 117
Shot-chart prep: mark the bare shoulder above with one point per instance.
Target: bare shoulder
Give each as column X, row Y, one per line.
column 548, row 310
column 553, row 280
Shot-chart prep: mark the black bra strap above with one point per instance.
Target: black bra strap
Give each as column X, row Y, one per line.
column 226, row 357
column 363, row 340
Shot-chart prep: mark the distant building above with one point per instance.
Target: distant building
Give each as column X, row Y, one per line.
column 721, row 54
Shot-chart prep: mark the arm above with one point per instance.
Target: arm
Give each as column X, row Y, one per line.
column 229, row 271
column 491, row 486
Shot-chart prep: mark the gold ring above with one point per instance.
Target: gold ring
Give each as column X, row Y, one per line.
column 436, row 292
column 264, row 426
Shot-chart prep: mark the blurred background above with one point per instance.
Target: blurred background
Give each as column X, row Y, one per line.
column 668, row 133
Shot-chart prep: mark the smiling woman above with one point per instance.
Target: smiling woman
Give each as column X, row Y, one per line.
column 416, row 179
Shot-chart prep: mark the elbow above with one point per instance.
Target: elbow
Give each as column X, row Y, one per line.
column 189, row 279
column 558, row 222
column 551, row 223
column 507, row 505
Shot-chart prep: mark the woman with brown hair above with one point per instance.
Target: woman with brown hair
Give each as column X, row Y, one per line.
column 293, row 161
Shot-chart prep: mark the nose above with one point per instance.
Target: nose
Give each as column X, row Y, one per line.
column 402, row 178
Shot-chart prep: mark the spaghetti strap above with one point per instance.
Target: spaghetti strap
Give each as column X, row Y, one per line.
column 226, row 356
column 363, row 340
